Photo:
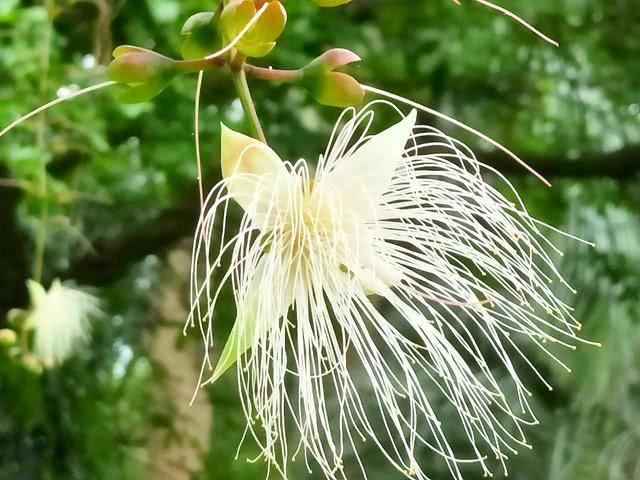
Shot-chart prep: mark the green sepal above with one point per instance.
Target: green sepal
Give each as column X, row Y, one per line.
column 337, row 89
column 260, row 39
column 239, row 342
column 124, row 49
column 330, row 3
column 138, row 93
column 200, row 36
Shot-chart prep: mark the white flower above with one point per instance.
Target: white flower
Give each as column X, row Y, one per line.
column 60, row 318
column 396, row 262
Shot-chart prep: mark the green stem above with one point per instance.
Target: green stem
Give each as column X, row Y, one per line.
column 195, row 66
column 272, row 74
column 242, row 87
column 41, row 235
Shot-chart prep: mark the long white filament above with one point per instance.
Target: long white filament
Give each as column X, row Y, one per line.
column 53, row 103
column 471, row 280
column 518, row 19
column 515, row 17
column 431, row 111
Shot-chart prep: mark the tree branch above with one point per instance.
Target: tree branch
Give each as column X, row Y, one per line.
column 621, row 164
column 113, row 257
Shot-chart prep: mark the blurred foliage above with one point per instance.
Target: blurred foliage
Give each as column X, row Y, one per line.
column 113, row 168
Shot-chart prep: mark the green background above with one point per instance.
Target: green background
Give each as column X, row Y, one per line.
column 122, row 203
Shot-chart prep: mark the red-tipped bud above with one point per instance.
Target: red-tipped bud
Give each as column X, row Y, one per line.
column 133, row 65
column 143, row 73
column 336, row 58
column 338, row 90
column 332, row 88
column 7, row 337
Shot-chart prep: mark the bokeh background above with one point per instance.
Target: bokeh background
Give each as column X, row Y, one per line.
column 121, row 205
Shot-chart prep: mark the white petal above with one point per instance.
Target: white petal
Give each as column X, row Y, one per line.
column 257, row 177
column 352, row 194
column 375, row 272
column 357, row 183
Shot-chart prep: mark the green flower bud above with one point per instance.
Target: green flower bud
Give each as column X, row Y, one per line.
column 16, row 317
column 32, row 363
column 261, row 38
column 132, row 65
column 338, row 90
column 143, row 73
column 7, row 337
column 332, row 88
column 200, row 36
column 330, row 3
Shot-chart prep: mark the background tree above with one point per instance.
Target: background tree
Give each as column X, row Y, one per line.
column 121, row 201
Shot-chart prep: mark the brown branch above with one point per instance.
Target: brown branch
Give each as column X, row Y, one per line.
column 110, row 258
column 621, row 164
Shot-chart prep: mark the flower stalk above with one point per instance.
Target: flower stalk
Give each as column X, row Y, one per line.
column 244, row 94
column 272, row 74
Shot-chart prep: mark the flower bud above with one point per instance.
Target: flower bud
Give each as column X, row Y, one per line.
column 200, row 36
column 335, row 58
column 7, row 337
column 32, row 363
column 333, row 88
column 330, row 3
column 143, row 73
column 338, row 90
column 16, row 316
column 133, row 65
column 260, row 39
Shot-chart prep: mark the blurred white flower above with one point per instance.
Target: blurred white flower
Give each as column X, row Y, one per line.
column 397, row 263
column 60, row 319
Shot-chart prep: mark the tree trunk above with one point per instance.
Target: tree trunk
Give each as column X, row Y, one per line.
column 177, row 444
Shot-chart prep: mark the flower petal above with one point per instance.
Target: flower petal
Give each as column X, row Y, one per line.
column 358, row 182
column 256, row 176
column 352, row 194
column 37, row 292
column 375, row 272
